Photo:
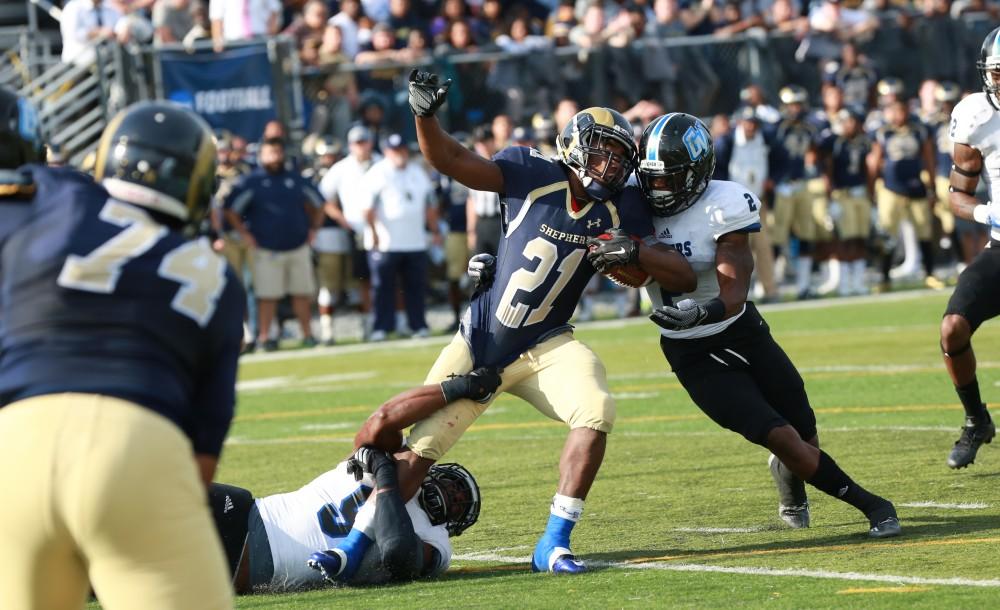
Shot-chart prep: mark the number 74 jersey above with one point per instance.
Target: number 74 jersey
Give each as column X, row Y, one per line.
column 542, row 267
column 98, row 297
column 724, row 207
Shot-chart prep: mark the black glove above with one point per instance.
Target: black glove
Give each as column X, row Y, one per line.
column 479, row 385
column 482, row 268
column 612, row 249
column 367, row 459
column 688, row 313
column 426, row 93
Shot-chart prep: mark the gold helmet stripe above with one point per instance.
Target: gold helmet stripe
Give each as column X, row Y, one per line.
column 105, row 144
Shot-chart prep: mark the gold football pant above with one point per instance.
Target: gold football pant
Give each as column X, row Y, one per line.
column 100, row 489
column 561, row 377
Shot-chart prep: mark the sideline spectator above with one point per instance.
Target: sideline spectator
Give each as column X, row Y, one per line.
column 399, row 210
column 347, row 21
column 308, row 30
column 343, row 187
column 172, row 20
column 242, row 20
column 279, row 208
column 85, row 23
column 339, row 96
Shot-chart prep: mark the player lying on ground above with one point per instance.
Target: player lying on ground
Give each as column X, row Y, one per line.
column 355, row 510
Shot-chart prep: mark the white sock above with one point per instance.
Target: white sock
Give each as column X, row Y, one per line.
column 567, row 508
column 803, row 273
column 858, row 268
column 844, row 285
column 325, row 327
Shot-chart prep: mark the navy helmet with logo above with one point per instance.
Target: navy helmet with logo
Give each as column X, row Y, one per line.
column 676, row 162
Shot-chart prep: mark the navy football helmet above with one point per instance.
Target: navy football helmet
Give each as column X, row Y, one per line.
column 161, row 156
column 676, row 162
column 583, row 147
column 450, row 496
column 20, row 139
column 989, row 67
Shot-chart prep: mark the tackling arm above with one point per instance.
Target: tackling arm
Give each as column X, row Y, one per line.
column 384, row 428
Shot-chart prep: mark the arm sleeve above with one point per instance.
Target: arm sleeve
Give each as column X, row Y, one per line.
column 216, row 9
column 215, row 397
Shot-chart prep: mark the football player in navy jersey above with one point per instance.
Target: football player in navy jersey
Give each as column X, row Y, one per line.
column 521, row 321
column 117, row 372
column 850, row 187
column 792, row 153
column 715, row 341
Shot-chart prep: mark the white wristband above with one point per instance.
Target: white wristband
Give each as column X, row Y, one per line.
column 981, row 214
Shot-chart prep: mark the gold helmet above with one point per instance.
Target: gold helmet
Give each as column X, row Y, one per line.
column 587, row 146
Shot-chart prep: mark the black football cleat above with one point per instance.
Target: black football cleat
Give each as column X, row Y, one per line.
column 883, row 522
column 793, row 504
column 974, row 435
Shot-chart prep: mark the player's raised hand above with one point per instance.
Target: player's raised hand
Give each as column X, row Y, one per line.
column 482, row 268
column 426, row 92
column 615, row 248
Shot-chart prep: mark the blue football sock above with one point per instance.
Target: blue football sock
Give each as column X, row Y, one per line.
column 354, row 546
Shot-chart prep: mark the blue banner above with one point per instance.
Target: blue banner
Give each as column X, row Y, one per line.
column 232, row 90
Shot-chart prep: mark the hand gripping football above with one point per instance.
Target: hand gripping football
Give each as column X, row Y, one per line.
column 615, row 254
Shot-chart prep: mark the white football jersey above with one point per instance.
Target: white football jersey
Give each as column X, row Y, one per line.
column 976, row 123
column 723, row 208
column 319, row 515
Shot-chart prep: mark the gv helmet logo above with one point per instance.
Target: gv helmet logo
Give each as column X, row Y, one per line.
column 696, row 141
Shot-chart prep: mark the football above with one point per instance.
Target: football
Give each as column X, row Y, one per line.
column 630, row 276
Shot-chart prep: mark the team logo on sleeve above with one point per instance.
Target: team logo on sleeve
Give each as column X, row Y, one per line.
column 696, row 141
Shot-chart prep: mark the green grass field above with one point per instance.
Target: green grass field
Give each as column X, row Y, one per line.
column 683, row 513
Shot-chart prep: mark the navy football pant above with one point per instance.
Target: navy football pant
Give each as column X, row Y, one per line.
column 411, row 268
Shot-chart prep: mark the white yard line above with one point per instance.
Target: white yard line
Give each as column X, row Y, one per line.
column 720, row 530
column 963, row 506
column 792, row 572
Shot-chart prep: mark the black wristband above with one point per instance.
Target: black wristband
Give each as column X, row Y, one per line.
column 963, row 172
column 715, row 311
column 955, row 189
column 454, row 388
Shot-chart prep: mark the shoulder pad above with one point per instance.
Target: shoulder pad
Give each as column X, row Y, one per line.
column 521, row 155
column 970, row 114
column 730, row 206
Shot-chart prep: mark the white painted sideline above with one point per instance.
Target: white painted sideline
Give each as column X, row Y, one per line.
column 320, row 352
column 792, row 572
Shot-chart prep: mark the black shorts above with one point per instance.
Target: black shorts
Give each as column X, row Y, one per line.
column 230, row 507
column 742, row 379
column 359, row 260
column 977, row 296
